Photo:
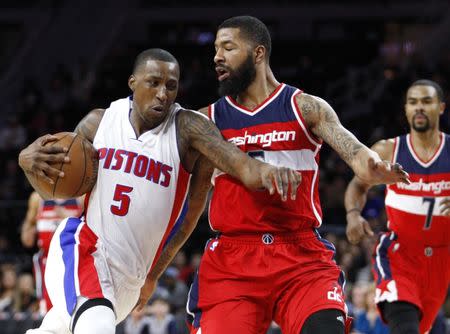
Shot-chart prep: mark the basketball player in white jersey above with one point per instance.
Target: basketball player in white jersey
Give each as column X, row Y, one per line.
column 148, row 185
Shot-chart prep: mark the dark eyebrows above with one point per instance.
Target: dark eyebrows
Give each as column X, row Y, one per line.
column 224, row 42
column 422, row 98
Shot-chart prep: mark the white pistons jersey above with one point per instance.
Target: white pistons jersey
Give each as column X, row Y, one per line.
column 139, row 200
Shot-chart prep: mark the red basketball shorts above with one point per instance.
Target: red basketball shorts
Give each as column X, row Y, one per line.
column 245, row 282
column 416, row 274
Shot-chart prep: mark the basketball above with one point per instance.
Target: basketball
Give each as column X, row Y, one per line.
column 80, row 174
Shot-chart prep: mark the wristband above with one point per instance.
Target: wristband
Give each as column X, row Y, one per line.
column 354, row 209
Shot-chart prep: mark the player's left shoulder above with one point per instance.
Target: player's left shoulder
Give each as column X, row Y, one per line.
column 385, row 148
column 314, row 109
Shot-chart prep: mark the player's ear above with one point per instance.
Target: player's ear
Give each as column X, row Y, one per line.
column 132, row 82
column 260, row 54
column 442, row 105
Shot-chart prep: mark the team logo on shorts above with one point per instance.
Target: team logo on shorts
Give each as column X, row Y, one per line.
column 386, row 291
column 213, row 245
column 267, row 239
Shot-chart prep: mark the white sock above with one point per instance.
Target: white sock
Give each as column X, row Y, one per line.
column 95, row 320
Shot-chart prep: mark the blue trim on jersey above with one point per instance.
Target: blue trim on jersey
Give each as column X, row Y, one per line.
column 51, row 202
column 405, row 158
column 341, row 280
column 67, row 242
column 328, row 245
column 193, row 302
column 279, row 109
column 384, row 259
column 178, row 223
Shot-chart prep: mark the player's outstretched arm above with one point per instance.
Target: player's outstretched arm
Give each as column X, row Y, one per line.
column 202, row 135
column 356, row 197
column 366, row 163
column 198, row 193
column 28, row 230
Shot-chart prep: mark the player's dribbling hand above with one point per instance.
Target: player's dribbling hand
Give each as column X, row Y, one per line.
column 444, row 206
column 386, row 172
column 282, row 180
column 357, row 227
column 146, row 292
column 36, row 158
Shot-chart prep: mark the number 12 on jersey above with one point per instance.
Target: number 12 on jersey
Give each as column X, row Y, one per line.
column 120, row 196
column 429, row 218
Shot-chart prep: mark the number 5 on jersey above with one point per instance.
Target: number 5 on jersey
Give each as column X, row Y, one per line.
column 120, row 196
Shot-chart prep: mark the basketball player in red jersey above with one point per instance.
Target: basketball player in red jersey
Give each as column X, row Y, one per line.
column 268, row 262
column 41, row 220
column 411, row 262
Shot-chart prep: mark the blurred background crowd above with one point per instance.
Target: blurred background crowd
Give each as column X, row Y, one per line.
column 61, row 58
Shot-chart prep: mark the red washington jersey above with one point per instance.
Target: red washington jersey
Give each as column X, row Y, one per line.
column 50, row 214
column 413, row 210
column 274, row 132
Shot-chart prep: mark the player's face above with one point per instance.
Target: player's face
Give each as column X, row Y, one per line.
column 235, row 66
column 155, row 88
column 423, row 108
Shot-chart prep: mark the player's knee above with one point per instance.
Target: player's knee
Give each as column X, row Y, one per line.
column 402, row 318
column 95, row 316
column 325, row 322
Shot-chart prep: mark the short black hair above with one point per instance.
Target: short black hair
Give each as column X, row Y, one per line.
column 252, row 29
column 431, row 83
column 154, row 54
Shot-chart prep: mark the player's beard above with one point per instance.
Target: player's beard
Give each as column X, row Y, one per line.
column 239, row 79
column 424, row 127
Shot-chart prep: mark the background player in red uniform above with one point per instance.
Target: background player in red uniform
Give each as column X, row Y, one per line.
column 269, row 262
column 412, row 261
column 41, row 220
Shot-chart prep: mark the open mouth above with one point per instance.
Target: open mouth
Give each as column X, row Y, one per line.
column 222, row 73
column 158, row 109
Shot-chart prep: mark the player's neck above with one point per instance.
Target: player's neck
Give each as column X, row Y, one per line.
column 141, row 125
column 425, row 143
column 259, row 90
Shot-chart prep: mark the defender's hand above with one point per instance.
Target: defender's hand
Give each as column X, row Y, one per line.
column 146, row 292
column 282, row 180
column 385, row 172
column 36, row 158
column 357, row 227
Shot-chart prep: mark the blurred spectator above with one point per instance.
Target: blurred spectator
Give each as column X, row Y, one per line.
column 25, row 300
column 357, row 301
column 176, row 288
column 8, row 281
column 138, row 322
column 12, row 135
column 161, row 321
column 369, row 321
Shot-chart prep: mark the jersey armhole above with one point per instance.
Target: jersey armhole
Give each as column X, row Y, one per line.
column 395, row 151
column 298, row 114
column 211, row 113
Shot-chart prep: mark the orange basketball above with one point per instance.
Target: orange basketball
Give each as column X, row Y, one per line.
column 80, row 174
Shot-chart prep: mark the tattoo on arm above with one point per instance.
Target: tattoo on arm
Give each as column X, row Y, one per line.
column 89, row 124
column 324, row 123
column 170, row 251
column 202, row 135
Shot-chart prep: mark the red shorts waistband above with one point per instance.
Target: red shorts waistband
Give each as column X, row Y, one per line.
column 269, row 238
